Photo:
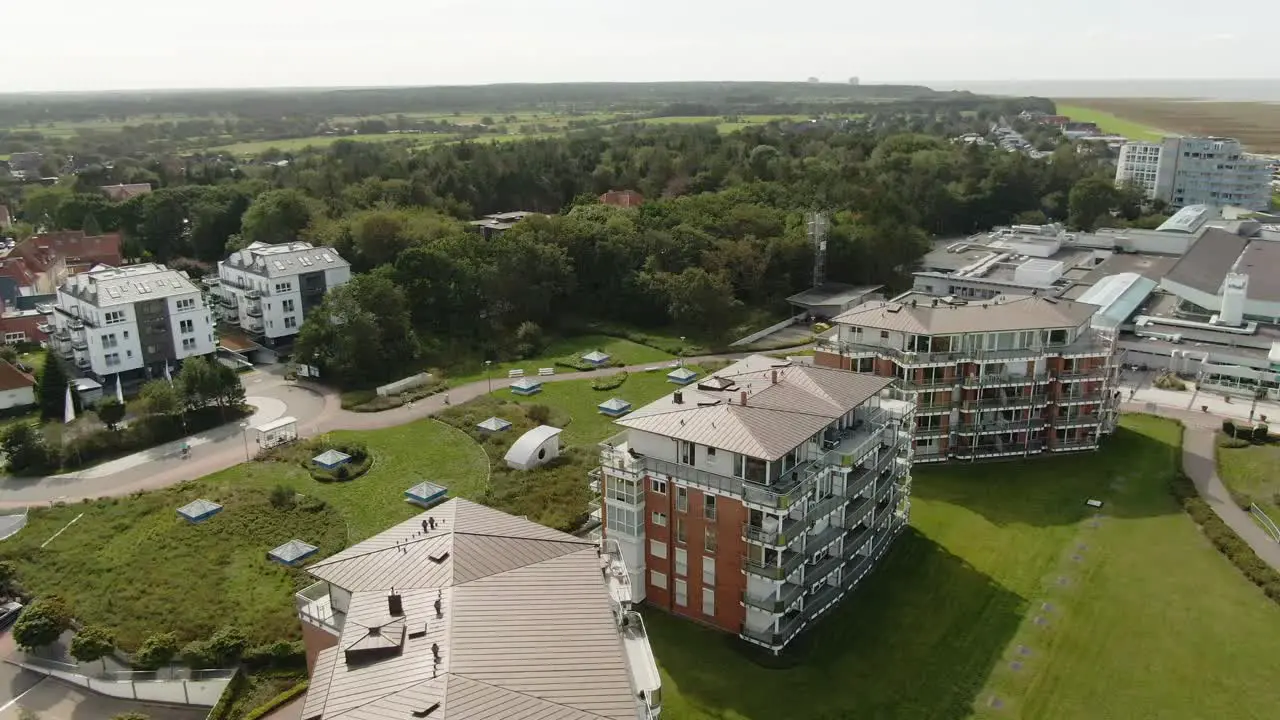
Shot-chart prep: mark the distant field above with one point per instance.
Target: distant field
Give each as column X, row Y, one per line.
column 1257, row 125
column 67, row 128
column 1110, row 122
column 320, row 141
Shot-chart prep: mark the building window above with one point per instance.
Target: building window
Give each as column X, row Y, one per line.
column 682, row 592
column 186, row 327
column 112, row 359
column 188, row 344
column 682, row 562
column 657, row 548
column 622, row 520
column 709, row 506
column 709, row 538
column 680, row 530
column 291, row 322
column 15, row 337
column 287, row 306
column 186, row 304
column 708, row 570
column 658, row 580
column 284, row 287
column 708, row 601
column 682, row 499
column 658, row 486
column 711, row 454
column 113, row 317
column 109, row 341
column 660, row 519
column 686, row 452
column 884, row 334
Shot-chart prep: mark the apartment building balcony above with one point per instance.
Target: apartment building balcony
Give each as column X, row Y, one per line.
column 227, row 300
column 82, row 362
column 785, row 563
column 999, row 426
column 65, row 351
column 1007, row 402
column 45, row 328
column 996, row 449
column 253, row 326
column 1004, row 380
column 883, row 489
column 61, row 334
column 1095, row 396
column 1085, row 420
column 75, row 323
column 1097, row 373
column 821, row 600
column 854, row 540
column 253, row 293
column 80, row 344
column 253, row 310
column 776, row 602
column 855, row 485
column 776, row 637
column 927, row 385
column 930, row 455
column 1070, row 445
column 927, row 407
column 315, row 607
column 774, row 533
column 210, row 281
column 821, row 570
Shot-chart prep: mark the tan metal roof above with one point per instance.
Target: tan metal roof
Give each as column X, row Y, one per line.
column 776, row 417
column 1012, row 314
column 524, row 629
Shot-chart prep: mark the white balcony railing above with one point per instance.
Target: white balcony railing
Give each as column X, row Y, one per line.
column 316, row 607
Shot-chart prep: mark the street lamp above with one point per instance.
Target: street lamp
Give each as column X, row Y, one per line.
column 681, row 351
column 244, row 435
column 488, row 379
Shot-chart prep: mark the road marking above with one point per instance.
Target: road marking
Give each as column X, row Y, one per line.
column 64, row 529
column 9, row 704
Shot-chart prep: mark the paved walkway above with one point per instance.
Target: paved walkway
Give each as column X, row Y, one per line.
column 291, row 710
column 1199, row 446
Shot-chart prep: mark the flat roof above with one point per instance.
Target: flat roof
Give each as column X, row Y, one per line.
column 1152, row 267
column 283, row 422
column 833, row 294
column 519, row 613
column 1208, row 261
column 1261, row 262
column 1014, row 313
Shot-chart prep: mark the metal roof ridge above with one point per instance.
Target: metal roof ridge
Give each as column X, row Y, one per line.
column 528, row 695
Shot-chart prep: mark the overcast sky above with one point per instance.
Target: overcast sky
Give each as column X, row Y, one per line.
column 92, row 45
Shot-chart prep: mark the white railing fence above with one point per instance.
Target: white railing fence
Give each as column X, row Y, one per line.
column 177, row 686
column 1265, row 521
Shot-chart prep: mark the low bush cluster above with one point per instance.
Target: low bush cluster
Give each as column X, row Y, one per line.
column 359, row 464
column 1226, row 539
column 371, row 401
column 1238, row 436
column 224, row 649
column 611, row 382
column 279, row 700
column 280, row 655
column 573, row 362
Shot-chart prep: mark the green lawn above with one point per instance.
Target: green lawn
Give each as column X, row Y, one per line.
column 1109, row 123
column 321, row 141
column 1253, row 471
column 623, row 351
column 1150, row 622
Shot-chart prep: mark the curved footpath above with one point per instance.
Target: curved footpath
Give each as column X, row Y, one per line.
column 224, row 447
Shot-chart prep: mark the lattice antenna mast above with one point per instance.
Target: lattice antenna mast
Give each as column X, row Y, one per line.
column 818, row 225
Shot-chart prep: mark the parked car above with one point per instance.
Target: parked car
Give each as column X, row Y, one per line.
column 9, row 612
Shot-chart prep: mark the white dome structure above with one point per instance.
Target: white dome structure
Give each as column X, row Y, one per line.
column 534, row 448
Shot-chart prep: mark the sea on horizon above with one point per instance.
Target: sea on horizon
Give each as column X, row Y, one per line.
column 1238, row 90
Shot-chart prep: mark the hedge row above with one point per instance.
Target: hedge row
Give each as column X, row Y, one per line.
column 277, row 701
column 1226, row 539
column 611, row 382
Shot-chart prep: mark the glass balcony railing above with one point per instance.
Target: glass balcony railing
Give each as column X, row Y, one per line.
column 777, row 569
column 992, row 426
column 776, row 602
column 1089, row 419
column 818, row 601
column 1003, row 379
column 1006, row 401
column 821, row 569
column 1085, row 397
column 855, row 539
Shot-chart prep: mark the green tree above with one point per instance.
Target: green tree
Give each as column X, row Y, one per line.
column 93, row 643
column 229, row 391
column 197, row 383
column 25, row 449
column 111, row 412
column 697, row 299
column 52, row 390
column 160, row 398
column 1090, row 199
column 157, row 650
column 42, row 622
column 361, row 332
column 277, row 216
column 8, row 578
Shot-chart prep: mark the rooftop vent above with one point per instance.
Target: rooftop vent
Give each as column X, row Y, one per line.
column 438, row 557
column 677, row 397
column 425, row 712
column 742, row 399
column 395, row 605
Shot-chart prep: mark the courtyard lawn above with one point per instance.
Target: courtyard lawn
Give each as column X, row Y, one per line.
column 619, row 350
column 1111, row 124
column 134, row 565
column 1149, row 622
column 1253, row 471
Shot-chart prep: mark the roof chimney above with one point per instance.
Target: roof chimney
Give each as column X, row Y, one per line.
column 742, row 399
column 395, row 606
column 439, row 612
column 424, row 526
column 435, row 651
column 677, row 397
column 775, row 377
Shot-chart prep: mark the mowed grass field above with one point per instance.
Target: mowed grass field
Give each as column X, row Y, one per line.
column 1111, row 123
column 623, row 351
column 1253, row 471
column 321, row 141
column 1257, row 125
column 1126, row 616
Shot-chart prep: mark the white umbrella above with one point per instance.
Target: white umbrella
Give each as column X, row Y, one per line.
column 119, row 390
column 69, row 412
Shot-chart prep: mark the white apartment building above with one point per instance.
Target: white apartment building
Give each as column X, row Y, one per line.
column 133, row 320
column 268, row 289
column 755, row 499
column 1196, row 171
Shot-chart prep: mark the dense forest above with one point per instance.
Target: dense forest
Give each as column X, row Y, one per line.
column 721, row 237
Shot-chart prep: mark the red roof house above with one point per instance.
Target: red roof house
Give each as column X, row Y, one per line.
column 622, row 198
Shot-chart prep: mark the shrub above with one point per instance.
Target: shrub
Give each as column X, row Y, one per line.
column 1260, row 433
column 280, row 654
column 1228, row 428
column 540, row 414
column 281, row 497
column 223, row 649
column 198, row 655
column 611, row 382
column 42, row 623
column 1232, row 442
column 1169, row 381
column 278, row 700
column 1242, row 500
column 156, row 651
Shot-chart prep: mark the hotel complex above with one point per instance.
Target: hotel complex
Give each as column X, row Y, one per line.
column 754, row 499
column 1186, row 171
column 999, row 378
column 465, row 612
